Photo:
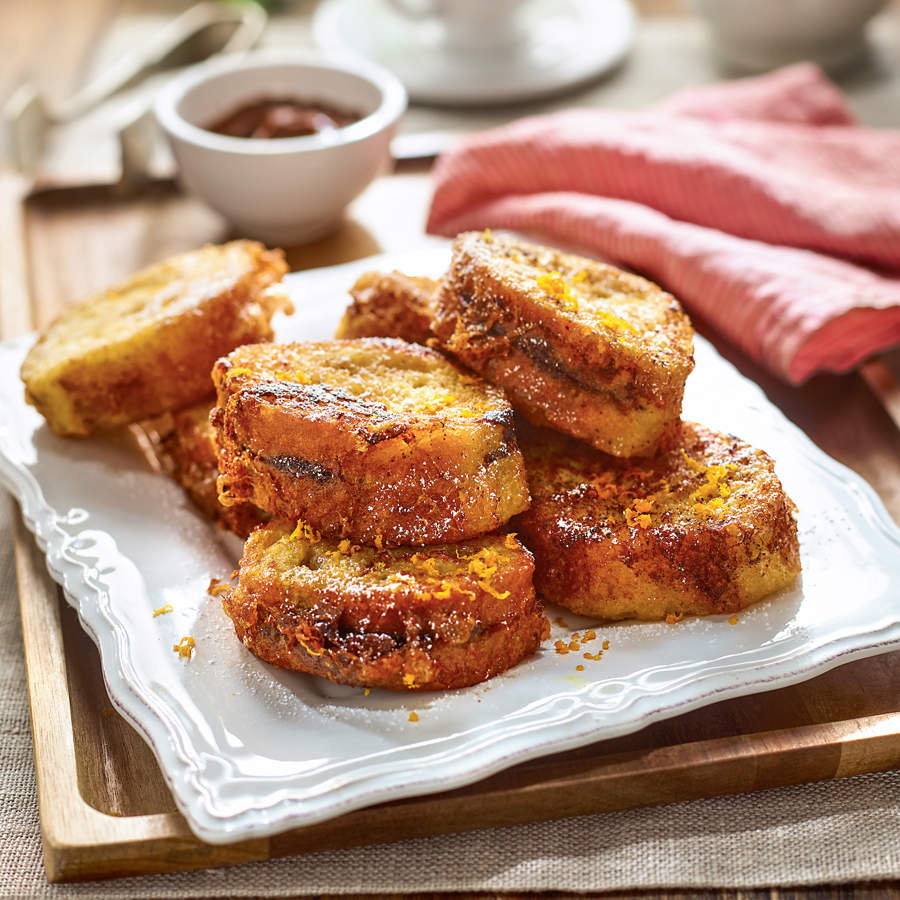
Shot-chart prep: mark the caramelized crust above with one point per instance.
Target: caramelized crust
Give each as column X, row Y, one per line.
column 391, row 305
column 375, row 439
column 704, row 528
column 435, row 618
column 578, row 345
column 145, row 347
column 185, row 446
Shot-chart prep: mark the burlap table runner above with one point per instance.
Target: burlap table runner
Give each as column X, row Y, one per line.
column 847, row 830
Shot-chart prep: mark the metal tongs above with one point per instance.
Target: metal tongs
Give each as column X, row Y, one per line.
column 204, row 30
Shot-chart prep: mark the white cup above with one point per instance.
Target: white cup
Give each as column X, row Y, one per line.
column 469, row 24
column 763, row 34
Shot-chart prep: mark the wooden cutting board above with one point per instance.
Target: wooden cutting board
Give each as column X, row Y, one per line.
column 105, row 808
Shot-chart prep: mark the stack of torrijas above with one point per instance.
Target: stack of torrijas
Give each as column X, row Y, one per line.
column 388, row 471
column 634, row 513
column 398, row 513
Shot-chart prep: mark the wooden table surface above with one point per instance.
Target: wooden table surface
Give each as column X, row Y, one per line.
column 840, row 413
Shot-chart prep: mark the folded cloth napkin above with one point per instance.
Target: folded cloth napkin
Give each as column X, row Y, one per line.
column 760, row 203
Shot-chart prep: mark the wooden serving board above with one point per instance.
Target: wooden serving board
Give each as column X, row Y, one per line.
column 104, row 805
column 106, row 811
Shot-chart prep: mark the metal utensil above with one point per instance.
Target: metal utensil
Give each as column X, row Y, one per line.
column 407, row 150
column 203, row 30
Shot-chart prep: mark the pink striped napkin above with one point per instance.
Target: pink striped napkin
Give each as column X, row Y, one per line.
column 760, row 203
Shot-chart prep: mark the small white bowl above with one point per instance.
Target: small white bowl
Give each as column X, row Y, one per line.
column 283, row 191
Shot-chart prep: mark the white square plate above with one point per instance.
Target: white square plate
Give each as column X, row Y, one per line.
column 250, row 750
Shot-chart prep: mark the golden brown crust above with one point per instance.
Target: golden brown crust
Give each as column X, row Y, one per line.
column 391, row 304
column 704, row 528
column 185, row 446
column 146, row 346
column 429, row 619
column 374, row 439
column 578, row 345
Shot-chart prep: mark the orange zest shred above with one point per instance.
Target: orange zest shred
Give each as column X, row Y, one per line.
column 307, row 532
column 604, row 486
column 572, row 645
column 426, row 564
column 710, row 497
column 367, row 691
column 439, row 402
column 294, row 376
column 483, row 565
column 639, row 512
column 510, row 542
column 692, row 463
column 162, row 610
column 715, row 507
column 579, row 668
column 413, row 717
column 379, row 541
column 555, row 285
column 310, row 650
column 480, row 563
column 215, row 587
column 673, row 618
column 614, row 323
column 185, row 647
column 733, row 620
column 409, row 680
column 444, row 593
column 552, row 283
column 594, row 656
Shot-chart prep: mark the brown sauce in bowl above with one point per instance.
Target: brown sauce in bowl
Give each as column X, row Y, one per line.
column 282, row 117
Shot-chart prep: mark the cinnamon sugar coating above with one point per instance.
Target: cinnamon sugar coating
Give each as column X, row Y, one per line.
column 375, row 439
column 441, row 617
column 578, row 345
column 145, row 346
column 391, row 304
column 705, row 527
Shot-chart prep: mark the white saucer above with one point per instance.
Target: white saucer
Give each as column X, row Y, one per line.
column 567, row 43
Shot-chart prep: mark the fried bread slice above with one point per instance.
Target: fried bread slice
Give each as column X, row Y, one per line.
column 706, row 527
column 391, row 304
column 441, row 617
column 184, row 443
column 375, row 439
column 146, row 346
column 579, row 346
